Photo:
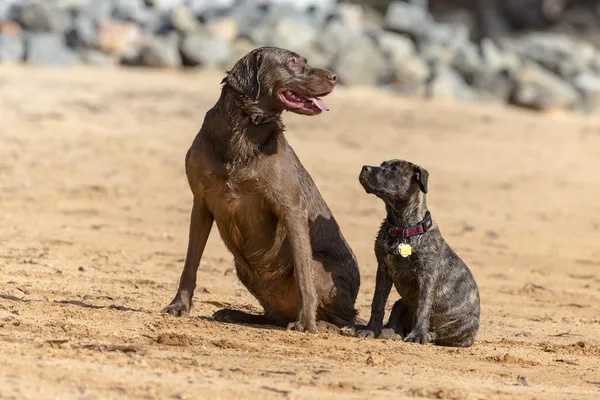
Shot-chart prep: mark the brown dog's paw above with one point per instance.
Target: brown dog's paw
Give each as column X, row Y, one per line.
column 225, row 315
column 177, row 308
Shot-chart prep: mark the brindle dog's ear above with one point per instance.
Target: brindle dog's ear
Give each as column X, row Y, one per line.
column 422, row 176
column 244, row 76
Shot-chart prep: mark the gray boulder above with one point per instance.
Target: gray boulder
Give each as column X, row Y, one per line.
column 249, row 16
column 407, row 68
column 588, row 85
column 98, row 58
column 201, row 49
column 542, row 90
column 48, row 49
column 442, row 42
column 335, row 37
column 130, row 10
column 409, row 19
column 293, row 34
column 39, row 17
column 560, row 54
column 160, row 52
column 184, row 20
column 98, row 10
column 11, row 46
column 496, row 74
column 361, row 63
column 83, row 33
column 447, row 83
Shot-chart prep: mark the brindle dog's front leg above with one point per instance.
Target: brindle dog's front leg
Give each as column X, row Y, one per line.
column 383, row 286
column 296, row 225
column 420, row 330
column 201, row 222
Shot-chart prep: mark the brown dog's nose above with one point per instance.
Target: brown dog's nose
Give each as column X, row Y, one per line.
column 332, row 77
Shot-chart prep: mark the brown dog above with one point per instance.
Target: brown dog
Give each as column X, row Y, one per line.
column 287, row 247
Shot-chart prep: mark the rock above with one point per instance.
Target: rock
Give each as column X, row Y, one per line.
column 249, row 16
column 130, row 10
column 199, row 7
column 38, row 17
column 448, row 34
column 495, row 78
column 540, row 89
column 10, row 27
column 118, row 37
column 467, row 61
column 11, row 42
column 7, row 10
column 349, row 15
column 239, row 48
column 292, row 34
column 200, row 49
column 316, row 58
column 409, row 19
column 361, row 63
column 335, row 37
column 588, row 85
column 407, row 68
column 83, row 33
column 448, row 84
column 98, row 58
column 226, row 28
column 48, row 49
column 99, row 10
column 560, row 54
column 160, row 52
column 183, row 20
column 441, row 43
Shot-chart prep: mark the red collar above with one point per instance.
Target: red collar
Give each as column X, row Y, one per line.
column 418, row 229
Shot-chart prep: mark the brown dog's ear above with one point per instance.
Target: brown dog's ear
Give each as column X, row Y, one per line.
column 244, row 76
column 422, row 176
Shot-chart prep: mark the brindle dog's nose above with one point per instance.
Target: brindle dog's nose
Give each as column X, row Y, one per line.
column 366, row 169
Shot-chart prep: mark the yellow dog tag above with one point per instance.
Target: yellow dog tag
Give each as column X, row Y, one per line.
column 404, row 249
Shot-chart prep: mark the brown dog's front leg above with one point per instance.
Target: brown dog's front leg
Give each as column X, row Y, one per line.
column 296, row 225
column 383, row 287
column 200, row 225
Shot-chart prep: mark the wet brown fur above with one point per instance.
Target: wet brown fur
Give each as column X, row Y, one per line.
column 288, row 249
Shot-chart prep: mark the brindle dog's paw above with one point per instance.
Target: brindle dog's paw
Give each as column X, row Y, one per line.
column 417, row 337
column 177, row 308
column 390, row 334
column 365, row 333
column 301, row 326
column 348, row 331
column 225, row 315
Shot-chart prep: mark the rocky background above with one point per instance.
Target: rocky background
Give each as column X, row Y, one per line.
column 538, row 54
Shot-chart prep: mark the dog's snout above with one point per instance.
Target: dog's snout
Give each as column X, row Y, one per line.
column 332, row 77
column 366, row 169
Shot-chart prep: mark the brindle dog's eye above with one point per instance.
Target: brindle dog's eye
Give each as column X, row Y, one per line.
column 394, row 168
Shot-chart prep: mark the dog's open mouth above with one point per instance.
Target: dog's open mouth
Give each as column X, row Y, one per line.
column 300, row 104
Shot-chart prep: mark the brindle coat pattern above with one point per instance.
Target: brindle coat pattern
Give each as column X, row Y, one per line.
column 440, row 298
column 287, row 247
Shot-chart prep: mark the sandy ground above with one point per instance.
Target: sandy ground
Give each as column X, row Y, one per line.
column 94, row 212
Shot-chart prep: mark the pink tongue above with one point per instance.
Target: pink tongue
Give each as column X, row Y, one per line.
column 319, row 103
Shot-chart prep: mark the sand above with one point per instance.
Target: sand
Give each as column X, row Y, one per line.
column 94, row 214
